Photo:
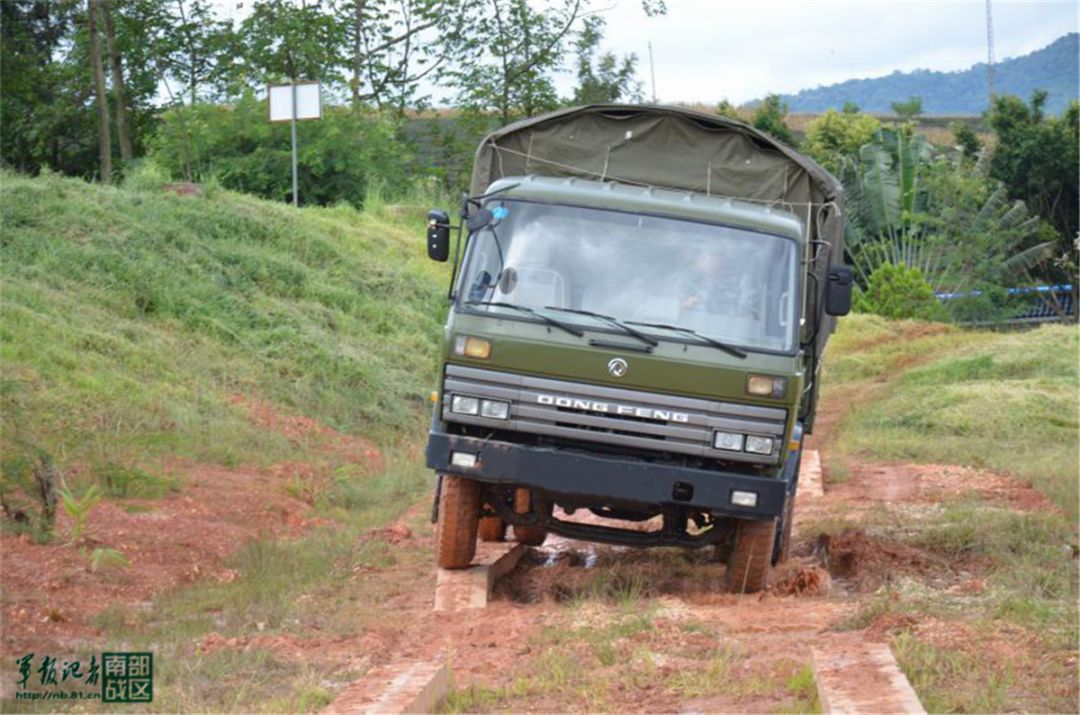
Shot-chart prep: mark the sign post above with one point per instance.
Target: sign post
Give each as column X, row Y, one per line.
column 290, row 103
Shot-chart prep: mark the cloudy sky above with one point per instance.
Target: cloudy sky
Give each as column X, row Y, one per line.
column 707, row 50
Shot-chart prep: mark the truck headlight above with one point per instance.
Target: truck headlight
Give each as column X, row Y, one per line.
column 469, row 346
column 494, row 409
column 464, row 405
column 728, row 440
column 759, row 445
column 766, row 386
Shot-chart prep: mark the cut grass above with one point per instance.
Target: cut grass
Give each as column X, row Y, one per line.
column 132, row 320
column 1002, row 401
column 999, row 401
column 132, row 317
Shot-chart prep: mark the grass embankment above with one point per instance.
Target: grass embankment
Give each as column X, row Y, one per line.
column 1005, row 402
column 138, row 327
column 132, row 317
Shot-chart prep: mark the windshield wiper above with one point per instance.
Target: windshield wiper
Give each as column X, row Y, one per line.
column 525, row 309
column 607, row 318
column 715, row 343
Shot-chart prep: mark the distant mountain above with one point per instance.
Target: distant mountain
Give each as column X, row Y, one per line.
column 1053, row 68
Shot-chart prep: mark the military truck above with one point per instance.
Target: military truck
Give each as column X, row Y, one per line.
column 639, row 307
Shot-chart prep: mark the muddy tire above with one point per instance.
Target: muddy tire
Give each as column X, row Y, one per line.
column 528, row 535
column 782, row 549
column 751, row 556
column 459, row 518
column 492, row 528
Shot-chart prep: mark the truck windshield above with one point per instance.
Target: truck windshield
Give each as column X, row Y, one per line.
column 734, row 285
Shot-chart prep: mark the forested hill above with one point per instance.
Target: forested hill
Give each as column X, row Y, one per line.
column 1053, row 68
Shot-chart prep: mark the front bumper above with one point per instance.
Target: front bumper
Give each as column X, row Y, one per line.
column 603, row 480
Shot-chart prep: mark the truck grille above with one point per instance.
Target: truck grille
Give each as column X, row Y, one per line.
column 628, row 418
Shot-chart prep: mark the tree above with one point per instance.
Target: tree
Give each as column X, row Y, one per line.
column 45, row 118
column 907, row 207
column 966, row 139
column 833, row 138
column 907, row 110
column 123, row 133
column 506, row 65
column 282, row 40
column 726, row 109
column 1038, row 159
column 607, row 79
column 394, row 45
column 101, row 97
column 850, row 108
column 769, row 117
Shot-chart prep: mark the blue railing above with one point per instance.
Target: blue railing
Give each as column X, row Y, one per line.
column 1045, row 303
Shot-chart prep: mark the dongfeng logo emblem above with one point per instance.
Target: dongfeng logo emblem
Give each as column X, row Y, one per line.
column 618, row 367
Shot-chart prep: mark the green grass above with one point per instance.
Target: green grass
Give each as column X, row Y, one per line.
column 130, row 317
column 999, row 401
column 1002, row 401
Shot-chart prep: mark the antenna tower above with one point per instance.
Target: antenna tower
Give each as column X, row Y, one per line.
column 989, row 52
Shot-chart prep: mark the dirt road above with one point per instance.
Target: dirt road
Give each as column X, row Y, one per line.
column 577, row 627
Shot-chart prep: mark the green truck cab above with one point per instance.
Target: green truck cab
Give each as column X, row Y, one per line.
column 640, row 302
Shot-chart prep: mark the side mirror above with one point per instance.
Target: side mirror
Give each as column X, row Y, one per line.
column 438, row 235
column 838, row 290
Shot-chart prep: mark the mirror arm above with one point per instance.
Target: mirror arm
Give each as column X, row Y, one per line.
column 457, row 253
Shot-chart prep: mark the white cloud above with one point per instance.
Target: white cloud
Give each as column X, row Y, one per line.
column 707, row 50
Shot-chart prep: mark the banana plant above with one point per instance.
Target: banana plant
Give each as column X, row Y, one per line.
column 907, row 207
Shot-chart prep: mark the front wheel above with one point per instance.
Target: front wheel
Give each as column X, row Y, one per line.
column 459, row 516
column 782, row 547
column 751, row 554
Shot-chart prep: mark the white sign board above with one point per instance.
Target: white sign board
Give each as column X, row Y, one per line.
column 308, row 101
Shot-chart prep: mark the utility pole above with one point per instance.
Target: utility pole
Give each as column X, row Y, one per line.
column 652, row 71
column 989, row 53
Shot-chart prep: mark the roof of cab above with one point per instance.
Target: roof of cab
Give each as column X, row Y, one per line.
column 650, row 200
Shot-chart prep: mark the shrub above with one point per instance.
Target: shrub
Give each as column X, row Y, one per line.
column 898, row 292
column 337, row 156
column 833, row 136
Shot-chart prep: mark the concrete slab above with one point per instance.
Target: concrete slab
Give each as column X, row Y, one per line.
column 854, row 676
column 810, row 481
column 416, row 687
column 471, row 588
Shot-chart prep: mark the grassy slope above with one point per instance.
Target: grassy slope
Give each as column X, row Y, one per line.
column 1006, row 402
column 130, row 317
column 130, row 320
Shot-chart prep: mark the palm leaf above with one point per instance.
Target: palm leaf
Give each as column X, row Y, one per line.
column 1030, row 257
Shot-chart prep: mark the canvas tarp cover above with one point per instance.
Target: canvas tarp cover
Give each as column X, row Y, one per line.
column 676, row 148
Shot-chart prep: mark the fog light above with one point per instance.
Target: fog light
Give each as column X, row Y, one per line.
column 759, row 445
column 472, row 347
column 728, row 440
column 464, row 405
column 464, row 460
column 747, row 499
column 494, row 409
column 766, row 386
